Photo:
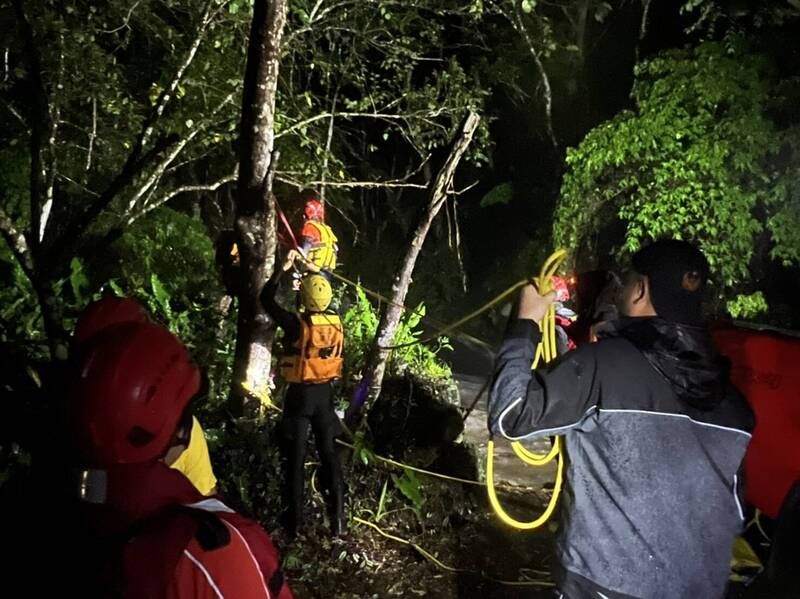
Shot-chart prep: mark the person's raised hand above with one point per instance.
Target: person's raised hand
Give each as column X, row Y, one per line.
column 533, row 306
column 290, row 258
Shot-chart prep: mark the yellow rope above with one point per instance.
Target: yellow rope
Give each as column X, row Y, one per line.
column 548, row 351
column 415, row 469
column 440, row 331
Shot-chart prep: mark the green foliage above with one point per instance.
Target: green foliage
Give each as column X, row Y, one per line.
column 710, row 17
column 747, row 306
column 20, row 319
column 361, row 323
column 166, row 259
column 499, row 194
column 695, row 159
column 410, row 486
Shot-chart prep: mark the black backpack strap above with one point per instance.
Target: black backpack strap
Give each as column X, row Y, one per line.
column 211, row 530
column 276, row 582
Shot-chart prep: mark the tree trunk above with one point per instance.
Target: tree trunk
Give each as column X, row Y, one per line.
column 255, row 213
column 390, row 316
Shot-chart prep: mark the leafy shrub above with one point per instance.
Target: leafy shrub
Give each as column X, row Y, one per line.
column 361, row 323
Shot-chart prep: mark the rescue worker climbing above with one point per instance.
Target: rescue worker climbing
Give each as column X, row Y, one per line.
column 158, row 536
column 312, row 360
column 654, row 431
column 318, row 243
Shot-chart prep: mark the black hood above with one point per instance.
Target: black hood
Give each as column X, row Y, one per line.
column 682, row 354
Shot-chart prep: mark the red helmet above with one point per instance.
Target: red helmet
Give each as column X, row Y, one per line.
column 314, row 209
column 128, row 394
column 561, row 289
column 106, row 312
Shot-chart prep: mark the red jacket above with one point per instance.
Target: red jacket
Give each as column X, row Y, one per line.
column 182, row 545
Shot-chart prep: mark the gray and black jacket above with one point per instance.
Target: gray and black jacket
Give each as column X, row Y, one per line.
column 655, row 436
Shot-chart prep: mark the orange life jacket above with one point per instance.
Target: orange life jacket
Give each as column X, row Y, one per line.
column 316, row 357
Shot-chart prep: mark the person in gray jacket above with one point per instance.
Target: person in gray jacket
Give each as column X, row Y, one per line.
column 654, row 433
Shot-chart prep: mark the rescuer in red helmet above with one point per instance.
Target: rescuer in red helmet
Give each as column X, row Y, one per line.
column 128, row 397
column 317, row 241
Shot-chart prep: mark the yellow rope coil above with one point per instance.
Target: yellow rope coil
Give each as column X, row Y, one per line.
column 548, row 351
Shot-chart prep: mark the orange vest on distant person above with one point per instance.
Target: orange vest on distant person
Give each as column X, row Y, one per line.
column 316, row 357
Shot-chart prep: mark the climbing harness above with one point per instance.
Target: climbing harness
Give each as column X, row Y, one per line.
column 547, row 351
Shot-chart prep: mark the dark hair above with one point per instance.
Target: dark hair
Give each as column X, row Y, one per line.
column 668, row 264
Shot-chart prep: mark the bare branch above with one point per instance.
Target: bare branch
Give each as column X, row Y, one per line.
column 465, row 190
column 328, row 141
column 52, row 167
column 17, row 115
column 125, row 23
column 349, row 184
column 64, row 245
column 92, row 137
column 312, row 16
column 185, row 189
column 82, row 187
column 643, row 26
column 159, row 170
column 426, row 116
column 518, row 24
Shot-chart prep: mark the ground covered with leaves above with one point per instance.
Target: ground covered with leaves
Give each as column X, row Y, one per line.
column 476, row 554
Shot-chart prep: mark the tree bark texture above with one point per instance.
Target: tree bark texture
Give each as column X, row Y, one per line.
column 390, row 316
column 255, row 212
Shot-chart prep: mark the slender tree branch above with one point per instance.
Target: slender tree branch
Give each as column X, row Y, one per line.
column 66, row 243
column 424, row 116
column 328, row 141
column 152, row 181
column 81, row 186
column 92, row 137
column 518, row 23
column 17, row 116
column 349, row 184
column 52, row 167
column 185, row 189
column 125, row 23
column 642, row 27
